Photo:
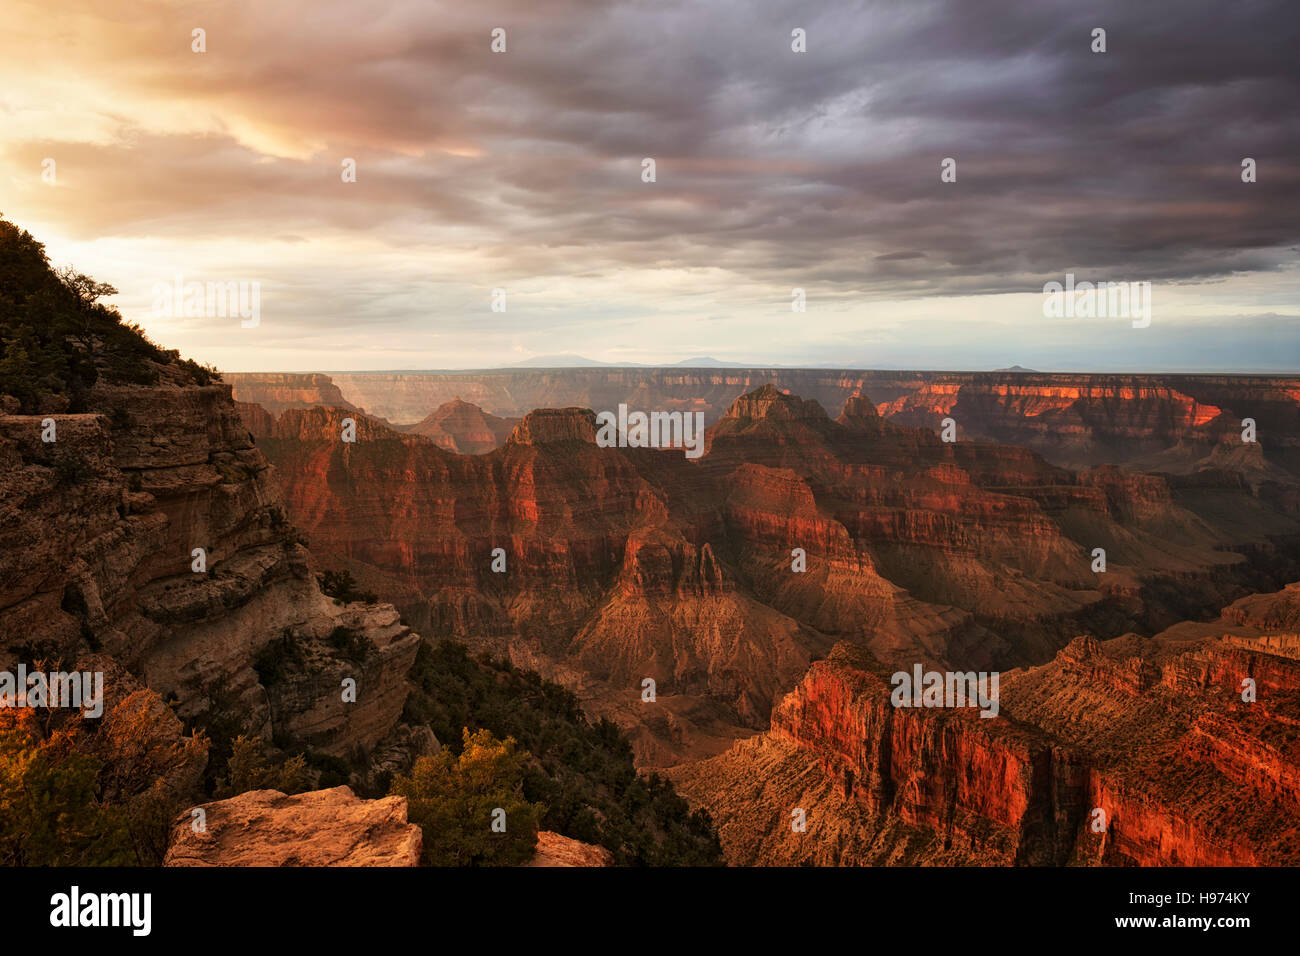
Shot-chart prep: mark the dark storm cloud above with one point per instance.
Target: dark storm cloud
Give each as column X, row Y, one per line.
column 818, row 169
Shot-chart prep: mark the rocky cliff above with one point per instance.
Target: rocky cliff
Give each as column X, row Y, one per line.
column 1153, row 734
column 151, row 530
column 276, row 391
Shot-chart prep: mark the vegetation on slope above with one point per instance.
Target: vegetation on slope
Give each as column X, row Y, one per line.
column 580, row 773
column 57, row 339
column 83, row 792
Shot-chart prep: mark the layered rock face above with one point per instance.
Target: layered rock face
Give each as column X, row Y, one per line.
column 1162, row 422
column 276, row 391
column 1155, row 734
column 618, row 565
column 152, row 531
column 321, row 828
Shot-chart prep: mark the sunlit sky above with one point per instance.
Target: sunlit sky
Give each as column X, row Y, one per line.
column 522, row 171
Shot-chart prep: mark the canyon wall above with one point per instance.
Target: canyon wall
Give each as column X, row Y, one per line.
column 1153, row 422
column 276, row 391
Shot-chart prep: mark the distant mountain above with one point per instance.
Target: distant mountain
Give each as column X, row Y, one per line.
column 569, row 360
column 1015, row 368
column 708, row 362
column 565, row 360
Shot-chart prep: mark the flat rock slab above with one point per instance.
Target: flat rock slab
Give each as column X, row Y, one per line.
column 321, row 828
column 556, row 850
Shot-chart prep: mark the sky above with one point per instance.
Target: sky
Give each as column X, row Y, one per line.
column 150, row 165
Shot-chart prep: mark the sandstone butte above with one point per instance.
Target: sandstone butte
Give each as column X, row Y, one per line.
column 625, row 564
column 464, row 428
column 326, row 828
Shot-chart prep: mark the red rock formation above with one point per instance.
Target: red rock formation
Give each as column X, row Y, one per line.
column 1165, row 422
column 464, row 428
column 1153, row 733
column 321, row 828
column 556, row 850
column 327, row 828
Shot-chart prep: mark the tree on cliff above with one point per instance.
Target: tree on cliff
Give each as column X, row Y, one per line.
column 49, row 812
column 457, row 800
column 57, row 339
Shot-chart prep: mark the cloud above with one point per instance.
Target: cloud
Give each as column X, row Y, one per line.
column 774, row 169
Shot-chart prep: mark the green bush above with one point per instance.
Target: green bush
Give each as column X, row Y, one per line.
column 71, row 469
column 251, row 768
column 456, row 800
column 277, row 658
column 351, row 644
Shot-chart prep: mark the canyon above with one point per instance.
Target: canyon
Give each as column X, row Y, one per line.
column 1153, row 733
column 145, row 542
column 631, row 564
column 764, row 592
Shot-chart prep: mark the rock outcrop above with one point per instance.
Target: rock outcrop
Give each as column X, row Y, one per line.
column 556, row 850
column 464, row 428
column 152, row 530
column 276, row 391
column 330, row 827
column 321, row 828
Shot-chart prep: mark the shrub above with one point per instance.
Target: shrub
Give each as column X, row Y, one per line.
column 276, row 658
column 340, row 586
column 251, row 768
column 455, row 801
column 71, row 469
column 351, row 644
